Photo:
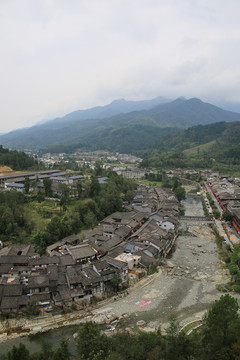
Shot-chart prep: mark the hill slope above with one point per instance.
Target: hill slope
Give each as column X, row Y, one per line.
column 123, row 132
column 215, row 145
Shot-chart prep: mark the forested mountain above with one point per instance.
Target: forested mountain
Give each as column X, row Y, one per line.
column 215, row 145
column 123, row 132
column 116, row 107
column 15, row 159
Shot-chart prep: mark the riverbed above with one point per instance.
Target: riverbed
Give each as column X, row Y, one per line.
column 185, row 285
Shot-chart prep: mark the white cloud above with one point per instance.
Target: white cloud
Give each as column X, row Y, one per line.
column 60, row 55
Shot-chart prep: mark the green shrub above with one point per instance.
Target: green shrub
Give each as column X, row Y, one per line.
column 152, row 269
column 236, row 288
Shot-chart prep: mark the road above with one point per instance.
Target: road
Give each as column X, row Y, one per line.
column 214, row 198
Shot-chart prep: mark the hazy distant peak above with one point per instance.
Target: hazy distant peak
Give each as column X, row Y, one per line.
column 195, row 100
column 181, row 98
column 118, row 101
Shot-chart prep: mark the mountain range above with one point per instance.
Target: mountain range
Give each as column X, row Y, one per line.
column 124, row 126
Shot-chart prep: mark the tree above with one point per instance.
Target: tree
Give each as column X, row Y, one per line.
column 95, row 187
column 57, row 229
column 79, row 187
column 115, row 282
column 227, row 215
column 63, row 190
column 26, row 185
column 63, row 202
column 180, row 193
column 129, row 196
column 91, row 342
column 62, row 353
column 32, row 308
column 40, row 240
column 18, row 353
column 176, row 183
column 177, row 343
column 46, row 350
column 216, row 213
column 98, row 168
column 40, row 196
column 90, row 219
column 222, row 328
column 48, row 187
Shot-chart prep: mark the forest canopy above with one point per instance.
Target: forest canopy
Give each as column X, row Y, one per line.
column 17, row 160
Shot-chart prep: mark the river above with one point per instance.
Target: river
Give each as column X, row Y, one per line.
column 33, row 343
column 193, row 206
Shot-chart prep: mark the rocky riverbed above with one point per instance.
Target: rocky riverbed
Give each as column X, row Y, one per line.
column 185, row 285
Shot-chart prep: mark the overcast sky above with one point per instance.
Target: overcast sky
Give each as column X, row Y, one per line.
column 58, row 56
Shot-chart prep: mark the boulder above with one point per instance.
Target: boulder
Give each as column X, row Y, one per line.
column 141, row 323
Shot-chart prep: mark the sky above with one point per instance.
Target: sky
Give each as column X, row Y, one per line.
column 58, row 56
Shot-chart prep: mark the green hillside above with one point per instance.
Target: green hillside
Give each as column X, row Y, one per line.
column 216, row 146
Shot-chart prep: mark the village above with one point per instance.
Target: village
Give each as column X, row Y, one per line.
column 76, row 272
column 119, row 251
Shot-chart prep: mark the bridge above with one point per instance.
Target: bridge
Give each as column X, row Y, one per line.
column 206, row 219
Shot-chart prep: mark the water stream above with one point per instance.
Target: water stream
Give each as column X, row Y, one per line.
column 193, row 206
column 33, row 343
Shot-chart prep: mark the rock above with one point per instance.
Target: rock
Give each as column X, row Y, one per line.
column 170, row 264
column 105, row 318
column 111, row 317
column 123, row 316
column 141, row 323
column 147, row 329
column 99, row 319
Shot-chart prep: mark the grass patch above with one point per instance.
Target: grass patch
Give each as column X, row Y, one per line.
column 221, row 288
column 150, row 183
column 191, row 326
column 32, row 214
column 117, row 164
column 40, row 214
column 153, row 269
column 198, row 150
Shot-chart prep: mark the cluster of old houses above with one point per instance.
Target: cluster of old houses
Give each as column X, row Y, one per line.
column 227, row 192
column 76, row 271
